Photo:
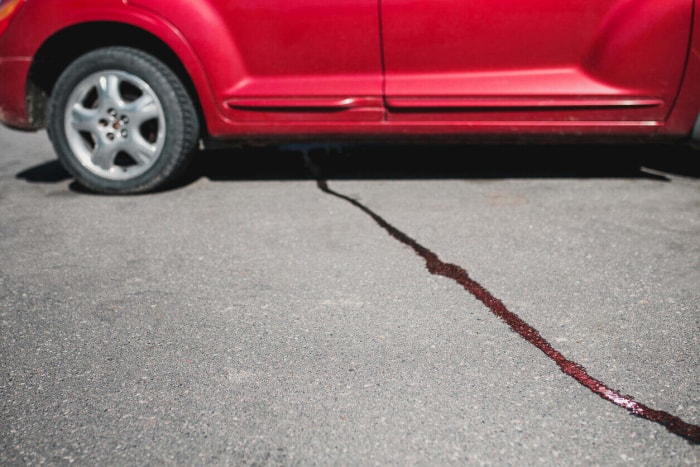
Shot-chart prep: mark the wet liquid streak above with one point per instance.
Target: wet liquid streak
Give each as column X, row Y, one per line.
column 436, row 266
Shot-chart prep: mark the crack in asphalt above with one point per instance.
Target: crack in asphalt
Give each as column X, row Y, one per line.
column 458, row 274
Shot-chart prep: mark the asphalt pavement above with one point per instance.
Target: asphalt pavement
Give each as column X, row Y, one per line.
column 355, row 305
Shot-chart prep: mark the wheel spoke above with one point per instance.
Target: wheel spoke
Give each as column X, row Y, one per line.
column 103, row 155
column 108, row 89
column 140, row 150
column 142, row 109
column 83, row 119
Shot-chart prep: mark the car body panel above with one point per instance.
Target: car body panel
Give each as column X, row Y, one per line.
column 13, row 74
column 287, row 61
column 593, row 60
column 352, row 68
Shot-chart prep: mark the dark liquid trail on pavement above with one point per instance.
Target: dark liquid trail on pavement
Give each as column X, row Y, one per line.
column 436, row 266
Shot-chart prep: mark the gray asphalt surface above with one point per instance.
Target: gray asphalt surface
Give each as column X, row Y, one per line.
column 248, row 318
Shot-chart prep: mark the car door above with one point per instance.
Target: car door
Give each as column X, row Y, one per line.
column 304, row 59
column 527, row 60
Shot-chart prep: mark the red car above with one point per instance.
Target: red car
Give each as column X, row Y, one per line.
column 128, row 89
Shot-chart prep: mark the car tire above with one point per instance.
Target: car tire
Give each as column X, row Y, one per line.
column 121, row 122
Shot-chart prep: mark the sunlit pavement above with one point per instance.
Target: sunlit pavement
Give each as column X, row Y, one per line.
column 247, row 317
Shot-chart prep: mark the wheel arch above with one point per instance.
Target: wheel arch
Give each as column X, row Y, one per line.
column 66, row 45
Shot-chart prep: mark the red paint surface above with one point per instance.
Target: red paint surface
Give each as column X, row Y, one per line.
column 397, row 68
column 452, row 271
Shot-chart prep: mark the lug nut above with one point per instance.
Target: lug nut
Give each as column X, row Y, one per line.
column 110, row 136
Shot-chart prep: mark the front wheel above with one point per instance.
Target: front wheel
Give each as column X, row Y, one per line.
column 122, row 122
